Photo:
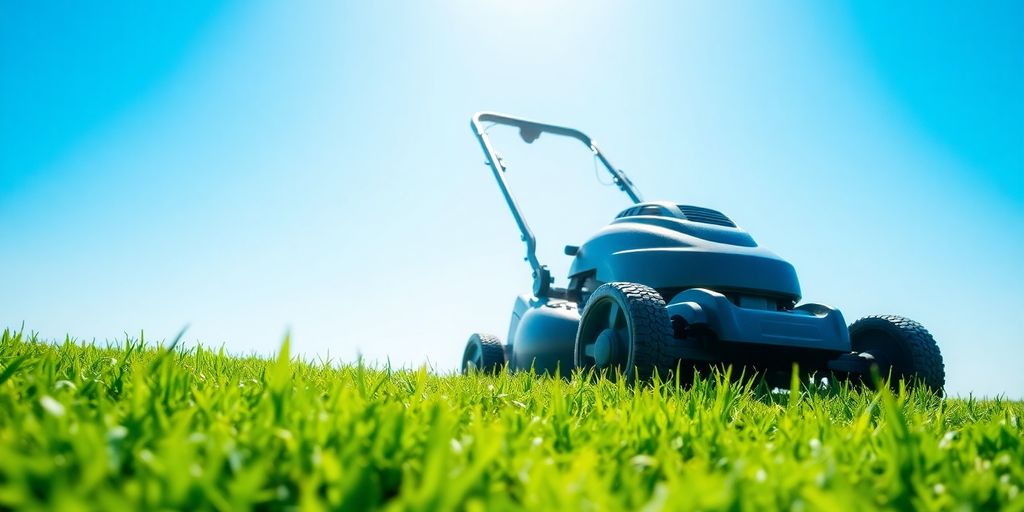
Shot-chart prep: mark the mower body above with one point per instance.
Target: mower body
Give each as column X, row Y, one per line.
column 710, row 272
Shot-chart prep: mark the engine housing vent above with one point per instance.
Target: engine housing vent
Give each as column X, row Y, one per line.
column 705, row 215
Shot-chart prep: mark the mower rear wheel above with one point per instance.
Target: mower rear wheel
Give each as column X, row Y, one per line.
column 484, row 353
column 899, row 348
column 625, row 331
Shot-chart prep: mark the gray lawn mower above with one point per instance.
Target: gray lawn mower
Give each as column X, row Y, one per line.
column 667, row 288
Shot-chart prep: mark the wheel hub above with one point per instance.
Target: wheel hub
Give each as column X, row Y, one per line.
column 606, row 348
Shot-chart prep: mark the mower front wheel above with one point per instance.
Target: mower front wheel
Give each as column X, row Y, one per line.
column 625, row 330
column 899, row 348
column 484, row 353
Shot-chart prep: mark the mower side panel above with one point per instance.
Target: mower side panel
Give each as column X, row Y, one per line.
column 811, row 326
column 542, row 335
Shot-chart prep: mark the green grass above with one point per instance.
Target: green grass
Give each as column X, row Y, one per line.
column 137, row 426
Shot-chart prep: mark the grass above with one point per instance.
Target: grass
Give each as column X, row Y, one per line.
column 137, row 426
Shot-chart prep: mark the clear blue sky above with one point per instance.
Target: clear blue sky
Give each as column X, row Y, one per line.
column 253, row 167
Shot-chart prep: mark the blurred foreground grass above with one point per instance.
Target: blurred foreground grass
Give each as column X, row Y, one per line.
column 146, row 427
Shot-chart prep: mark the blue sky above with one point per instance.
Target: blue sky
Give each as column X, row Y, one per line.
column 249, row 168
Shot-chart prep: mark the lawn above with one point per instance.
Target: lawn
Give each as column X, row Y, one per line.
column 137, row 425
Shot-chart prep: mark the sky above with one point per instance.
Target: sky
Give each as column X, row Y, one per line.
column 251, row 169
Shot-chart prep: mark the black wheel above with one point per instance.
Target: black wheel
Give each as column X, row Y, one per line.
column 484, row 353
column 625, row 330
column 901, row 349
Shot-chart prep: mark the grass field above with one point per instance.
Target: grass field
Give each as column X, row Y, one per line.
column 138, row 426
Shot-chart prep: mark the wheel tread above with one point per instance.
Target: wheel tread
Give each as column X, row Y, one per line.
column 492, row 350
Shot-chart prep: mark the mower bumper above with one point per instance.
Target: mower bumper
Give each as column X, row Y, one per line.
column 812, row 326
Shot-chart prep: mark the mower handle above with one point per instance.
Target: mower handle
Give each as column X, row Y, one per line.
column 529, row 131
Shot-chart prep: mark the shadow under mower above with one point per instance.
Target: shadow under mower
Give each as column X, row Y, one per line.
column 668, row 286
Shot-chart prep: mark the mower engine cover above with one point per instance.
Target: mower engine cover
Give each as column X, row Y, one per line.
column 672, row 248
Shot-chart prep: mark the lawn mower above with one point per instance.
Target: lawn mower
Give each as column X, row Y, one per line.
column 668, row 289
